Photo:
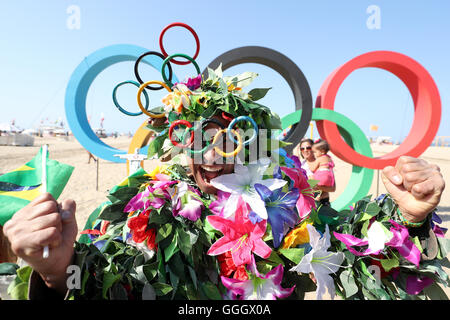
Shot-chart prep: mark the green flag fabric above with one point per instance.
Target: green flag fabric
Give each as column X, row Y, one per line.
column 20, row 186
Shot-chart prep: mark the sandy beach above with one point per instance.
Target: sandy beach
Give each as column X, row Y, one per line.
column 82, row 186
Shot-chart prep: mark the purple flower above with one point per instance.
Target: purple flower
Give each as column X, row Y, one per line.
column 280, row 210
column 194, row 83
column 414, row 284
column 400, row 241
column 185, row 202
column 258, row 287
column 144, row 200
column 439, row 231
column 218, row 206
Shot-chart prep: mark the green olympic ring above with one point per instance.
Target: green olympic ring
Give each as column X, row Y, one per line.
column 361, row 178
column 166, row 60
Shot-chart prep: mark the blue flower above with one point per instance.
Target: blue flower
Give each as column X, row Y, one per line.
column 280, row 210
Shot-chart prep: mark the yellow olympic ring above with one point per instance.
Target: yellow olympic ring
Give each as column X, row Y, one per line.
column 141, row 88
column 229, row 154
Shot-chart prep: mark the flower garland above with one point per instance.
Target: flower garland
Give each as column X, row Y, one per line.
column 260, row 237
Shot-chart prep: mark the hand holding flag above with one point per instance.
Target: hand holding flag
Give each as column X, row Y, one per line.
column 32, row 218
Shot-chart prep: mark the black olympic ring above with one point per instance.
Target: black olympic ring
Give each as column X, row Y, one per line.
column 287, row 69
column 136, row 72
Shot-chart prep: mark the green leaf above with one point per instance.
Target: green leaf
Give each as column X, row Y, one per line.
column 158, row 217
column 348, row 282
column 185, row 240
column 161, row 289
column 8, row 268
column 444, row 246
column 109, row 279
column 171, row 249
column 193, row 276
column 365, row 271
column 293, row 254
column 123, row 194
column 211, row 291
column 19, row 292
column 275, row 259
column 416, row 241
column 258, row 93
column 388, row 264
column 163, row 232
column 155, row 146
column 435, row 292
column 150, row 270
column 24, row 273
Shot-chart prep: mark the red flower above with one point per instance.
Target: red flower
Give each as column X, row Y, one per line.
column 240, row 273
column 227, row 267
column 140, row 231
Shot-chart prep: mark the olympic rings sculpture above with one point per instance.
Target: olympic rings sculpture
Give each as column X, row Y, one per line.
column 338, row 130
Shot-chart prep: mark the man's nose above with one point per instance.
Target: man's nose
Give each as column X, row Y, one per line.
column 211, row 157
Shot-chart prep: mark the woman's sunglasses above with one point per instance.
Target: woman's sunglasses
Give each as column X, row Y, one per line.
column 305, row 148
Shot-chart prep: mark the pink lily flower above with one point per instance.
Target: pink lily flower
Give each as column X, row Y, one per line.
column 241, row 236
column 305, row 201
column 258, row 287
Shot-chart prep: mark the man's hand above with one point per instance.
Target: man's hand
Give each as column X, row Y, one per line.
column 43, row 222
column 415, row 185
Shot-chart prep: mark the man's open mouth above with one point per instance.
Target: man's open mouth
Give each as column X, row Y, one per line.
column 210, row 172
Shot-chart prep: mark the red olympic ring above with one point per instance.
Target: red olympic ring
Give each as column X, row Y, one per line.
column 424, row 92
column 177, row 123
column 179, row 24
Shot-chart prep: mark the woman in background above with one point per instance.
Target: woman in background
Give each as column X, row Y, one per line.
column 308, row 162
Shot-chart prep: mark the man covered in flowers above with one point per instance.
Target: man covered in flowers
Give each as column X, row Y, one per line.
column 222, row 229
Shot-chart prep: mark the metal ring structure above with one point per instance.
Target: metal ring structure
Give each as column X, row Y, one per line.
column 243, row 118
column 179, row 24
column 169, row 58
column 142, row 88
column 361, row 178
column 116, row 103
column 286, row 68
column 78, row 87
column 136, row 69
column 425, row 95
column 228, row 154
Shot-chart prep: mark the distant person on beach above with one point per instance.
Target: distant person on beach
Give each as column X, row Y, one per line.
column 91, row 157
column 310, row 164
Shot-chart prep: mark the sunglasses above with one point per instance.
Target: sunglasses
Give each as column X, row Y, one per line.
column 305, row 148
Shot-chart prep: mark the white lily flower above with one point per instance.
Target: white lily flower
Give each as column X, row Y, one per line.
column 377, row 236
column 320, row 262
column 242, row 183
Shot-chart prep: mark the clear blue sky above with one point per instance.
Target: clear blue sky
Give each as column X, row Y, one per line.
column 39, row 52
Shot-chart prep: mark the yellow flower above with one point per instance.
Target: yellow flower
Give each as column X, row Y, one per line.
column 296, row 236
column 231, row 87
column 158, row 169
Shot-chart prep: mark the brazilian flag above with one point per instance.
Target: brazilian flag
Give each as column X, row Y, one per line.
column 19, row 187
